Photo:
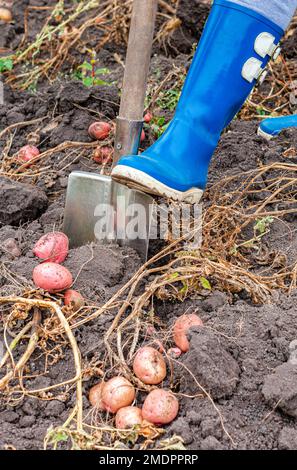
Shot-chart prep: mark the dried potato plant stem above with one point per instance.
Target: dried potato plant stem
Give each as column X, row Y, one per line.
column 21, row 124
column 17, row 369
column 15, row 342
column 76, row 353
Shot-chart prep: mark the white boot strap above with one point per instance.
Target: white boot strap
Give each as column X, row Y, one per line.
column 264, row 45
column 252, row 69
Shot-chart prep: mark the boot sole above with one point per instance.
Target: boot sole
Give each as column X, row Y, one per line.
column 136, row 179
column 264, row 134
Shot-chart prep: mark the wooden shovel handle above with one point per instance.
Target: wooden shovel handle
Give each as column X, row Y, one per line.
column 138, row 59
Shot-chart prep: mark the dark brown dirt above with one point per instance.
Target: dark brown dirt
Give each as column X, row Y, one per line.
column 243, row 356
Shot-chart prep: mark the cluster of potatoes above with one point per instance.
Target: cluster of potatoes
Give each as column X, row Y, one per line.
column 98, row 130
column 118, row 394
column 160, row 406
column 52, row 249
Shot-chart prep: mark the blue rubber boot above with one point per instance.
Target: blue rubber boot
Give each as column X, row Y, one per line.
column 234, row 49
column 271, row 127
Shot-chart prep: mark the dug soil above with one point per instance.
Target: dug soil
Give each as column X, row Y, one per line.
column 244, row 358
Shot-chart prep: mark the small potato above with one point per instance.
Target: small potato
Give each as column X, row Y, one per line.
column 52, row 277
column 148, row 117
column 128, row 417
column 73, row 299
column 181, row 327
column 175, row 353
column 117, row 393
column 103, row 155
column 52, row 247
column 27, row 153
column 143, row 136
column 160, row 407
column 149, row 366
column 99, row 130
column 95, row 396
column 5, row 15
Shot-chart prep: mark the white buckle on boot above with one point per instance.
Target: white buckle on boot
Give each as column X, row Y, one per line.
column 252, row 69
column 264, row 45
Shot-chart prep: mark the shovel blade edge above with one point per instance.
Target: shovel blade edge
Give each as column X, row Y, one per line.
column 100, row 210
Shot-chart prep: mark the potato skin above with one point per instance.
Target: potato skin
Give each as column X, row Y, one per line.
column 27, row 153
column 117, row 393
column 181, row 327
column 103, row 155
column 95, row 396
column 73, row 299
column 5, row 15
column 128, row 417
column 160, row 407
column 99, row 130
column 52, row 277
column 174, row 353
column 52, row 247
column 149, row 366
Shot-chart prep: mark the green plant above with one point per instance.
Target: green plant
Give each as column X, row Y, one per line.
column 168, row 99
column 90, row 76
column 261, row 226
column 158, row 125
column 6, row 64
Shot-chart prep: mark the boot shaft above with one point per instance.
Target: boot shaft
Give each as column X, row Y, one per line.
column 227, row 64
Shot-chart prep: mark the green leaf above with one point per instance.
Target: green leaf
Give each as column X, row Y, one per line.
column 173, row 275
column 6, row 64
column 85, row 66
column 87, row 81
column 205, row 283
column 99, row 82
column 103, row 71
column 262, row 224
column 61, row 437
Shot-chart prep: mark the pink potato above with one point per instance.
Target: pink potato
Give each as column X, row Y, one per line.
column 5, row 15
column 128, row 417
column 142, row 136
column 52, row 277
column 73, row 299
column 52, row 247
column 27, row 153
column 160, row 407
column 99, row 130
column 103, row 155
column 95, row 396
column 117, row 393
column 181, row 327
column 149, row 366
column 148, row 117
column 174, row 353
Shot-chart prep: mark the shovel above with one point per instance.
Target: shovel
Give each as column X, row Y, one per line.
column 96, row 207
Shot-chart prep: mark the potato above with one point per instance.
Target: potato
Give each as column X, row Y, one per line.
column 181, row 327
column 27, row 153
column 149, row 366
column 5, row 15
column 73, row 299
column 142, row 136
column 174, row 353
column 95, row 396
column 117, row 393
column 148, row 117
column 99, row 130
column 128, row 417
column 160, row 407
column 103, row 155
column 52, row 247
column 52, row 277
